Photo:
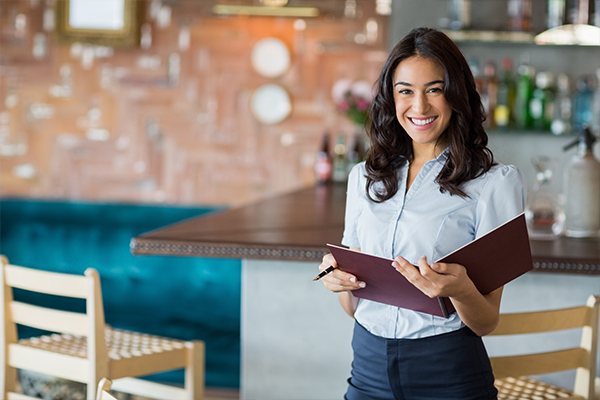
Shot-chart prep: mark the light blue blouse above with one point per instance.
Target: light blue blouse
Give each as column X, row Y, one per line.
column 424, row 221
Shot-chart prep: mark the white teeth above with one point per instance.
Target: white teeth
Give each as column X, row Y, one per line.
column 422, row 121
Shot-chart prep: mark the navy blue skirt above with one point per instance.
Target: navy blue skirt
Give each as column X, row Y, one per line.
column 450, row 366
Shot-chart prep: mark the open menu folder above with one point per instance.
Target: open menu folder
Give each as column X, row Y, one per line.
column 491, row 261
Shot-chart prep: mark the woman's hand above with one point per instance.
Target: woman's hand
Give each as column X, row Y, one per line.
column 337, row 280
column 479, row 312
column 436, row 279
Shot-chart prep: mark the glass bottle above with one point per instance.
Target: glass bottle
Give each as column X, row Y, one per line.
column 519, row 15
column 582, row 190
column 556, row 13
column 596, row 105
column 561, row 123
column 544, row 212
column 339, row 173
column 460, row 14
column 503, row 113
column 582, row 102
column 541, row 105
column 323, row 165
column 523, row 118
column 579, row 12
column 355, row 154
column 489, row 92
column 474, row 67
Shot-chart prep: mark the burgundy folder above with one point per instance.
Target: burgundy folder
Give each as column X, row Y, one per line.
column 491, row 261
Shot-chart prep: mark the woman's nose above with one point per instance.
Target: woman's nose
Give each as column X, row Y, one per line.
column 420, row 104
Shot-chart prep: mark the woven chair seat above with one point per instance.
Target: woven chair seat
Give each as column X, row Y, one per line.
column 84, row 348
column 524, row 388
column 120, row 344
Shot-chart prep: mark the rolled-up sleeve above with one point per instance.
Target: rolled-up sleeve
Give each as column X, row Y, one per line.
column 503, row 198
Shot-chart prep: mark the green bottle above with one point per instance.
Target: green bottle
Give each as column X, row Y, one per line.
column 523, row 118
column 541, row 106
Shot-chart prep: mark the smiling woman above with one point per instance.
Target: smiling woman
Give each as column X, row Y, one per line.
column 421, row 107
column 109, row 22
column 428, row 183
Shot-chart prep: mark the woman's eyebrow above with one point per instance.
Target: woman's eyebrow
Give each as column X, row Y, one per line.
column 427, row 84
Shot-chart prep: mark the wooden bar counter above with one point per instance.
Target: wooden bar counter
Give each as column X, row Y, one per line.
column 297, row 226
column 295, row 338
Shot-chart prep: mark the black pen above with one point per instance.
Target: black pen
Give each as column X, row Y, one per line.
column 325, row 272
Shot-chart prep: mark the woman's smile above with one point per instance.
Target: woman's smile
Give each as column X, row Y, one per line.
column 422, row 122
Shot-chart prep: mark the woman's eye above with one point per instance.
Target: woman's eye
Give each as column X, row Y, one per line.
column 404, row 91
column 436, row 90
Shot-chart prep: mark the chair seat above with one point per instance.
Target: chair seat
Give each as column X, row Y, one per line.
column 121, row 344
column 525, row 388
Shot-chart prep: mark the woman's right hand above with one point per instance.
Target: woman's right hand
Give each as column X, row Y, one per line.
column 337, row 280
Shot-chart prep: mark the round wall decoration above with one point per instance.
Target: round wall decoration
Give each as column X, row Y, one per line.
column 270, row 57
column 270, row 103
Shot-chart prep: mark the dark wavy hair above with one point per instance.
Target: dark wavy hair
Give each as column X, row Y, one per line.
column 390, row 145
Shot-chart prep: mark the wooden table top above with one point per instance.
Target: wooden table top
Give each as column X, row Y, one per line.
column 297, row 225
column 294, row 226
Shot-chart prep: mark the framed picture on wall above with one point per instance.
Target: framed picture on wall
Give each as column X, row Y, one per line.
column 114, row 23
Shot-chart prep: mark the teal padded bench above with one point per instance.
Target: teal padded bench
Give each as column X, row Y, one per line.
column 179, row 297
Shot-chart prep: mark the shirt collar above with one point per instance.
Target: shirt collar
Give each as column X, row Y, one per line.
column 443, row 155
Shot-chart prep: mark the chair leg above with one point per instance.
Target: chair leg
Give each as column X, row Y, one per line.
column 9, row 381
column 92, row 390
column 194, row 372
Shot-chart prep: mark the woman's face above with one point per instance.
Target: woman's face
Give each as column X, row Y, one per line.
column 421, row 107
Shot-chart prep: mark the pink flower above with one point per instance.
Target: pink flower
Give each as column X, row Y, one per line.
column 361, row 104
column 353, row 99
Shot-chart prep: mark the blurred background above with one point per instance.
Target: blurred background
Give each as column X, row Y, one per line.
column 168, row 109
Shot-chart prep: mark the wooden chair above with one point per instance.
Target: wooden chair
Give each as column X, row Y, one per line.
column 512, row 372
column 104, row 390
column 83, row 348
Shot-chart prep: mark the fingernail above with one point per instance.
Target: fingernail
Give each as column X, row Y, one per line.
column 353, row 279
column 362, row 284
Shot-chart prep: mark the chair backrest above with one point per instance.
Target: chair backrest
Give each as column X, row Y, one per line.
column 104, row 390
column 89, row 324
column 582, row 358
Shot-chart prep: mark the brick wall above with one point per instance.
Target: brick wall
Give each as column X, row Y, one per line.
column 86, row 122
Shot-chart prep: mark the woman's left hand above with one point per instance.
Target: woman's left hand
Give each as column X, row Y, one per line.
column 479, row 312
column 435, row 279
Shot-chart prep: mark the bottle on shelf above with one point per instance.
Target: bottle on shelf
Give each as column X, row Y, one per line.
column 556, row 13
column 596, row 101
column 582, row 188
column 519, row 15
column 323, row 164
column 544, row 213
column 579, row 12
column 355, row 154
column 505, row 98
column 541, row 106
column 561, row 123
column 582, row 102
column 460, row 14
column 489, row 92
column 523, row 118
column 340, row 171
column 474, row 67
